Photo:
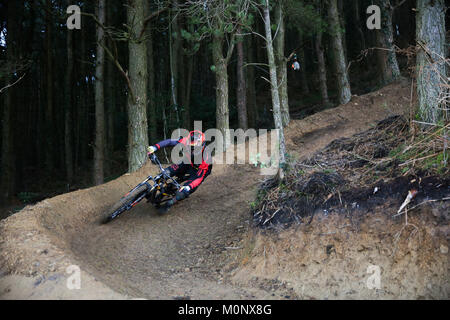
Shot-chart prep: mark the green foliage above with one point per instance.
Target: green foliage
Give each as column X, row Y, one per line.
column 436, row 162
column 329, row 171
column 254, row 205
column 256, row 161
column 220, row 18
column 186, row 35
column 396, row 153
column 420, row 154
column 305, row 15
column 27, row 197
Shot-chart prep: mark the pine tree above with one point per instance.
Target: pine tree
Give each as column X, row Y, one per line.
column 99, row 148
column 276, row 105
column 387, row 58
column 340, row 63
column 430, row 35
column 137, row 97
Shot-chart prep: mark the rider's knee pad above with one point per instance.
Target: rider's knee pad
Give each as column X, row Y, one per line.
column 181, row 195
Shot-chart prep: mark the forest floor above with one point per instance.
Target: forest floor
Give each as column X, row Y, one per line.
column 208, row 247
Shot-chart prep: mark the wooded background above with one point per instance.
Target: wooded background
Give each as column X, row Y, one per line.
column 79, row 107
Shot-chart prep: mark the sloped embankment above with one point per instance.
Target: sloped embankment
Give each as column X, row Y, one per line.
column 334, row 222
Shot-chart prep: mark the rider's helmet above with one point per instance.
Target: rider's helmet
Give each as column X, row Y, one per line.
column 196, row 138
column 196, row 141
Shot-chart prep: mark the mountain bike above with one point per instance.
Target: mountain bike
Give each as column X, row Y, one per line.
column 156, row 190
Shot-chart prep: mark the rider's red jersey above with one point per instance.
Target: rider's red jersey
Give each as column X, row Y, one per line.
column 206, row 157
column 204, row 168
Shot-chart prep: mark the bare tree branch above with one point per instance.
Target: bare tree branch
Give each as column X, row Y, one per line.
column 150, row 17
column 12, row 84
column 109, row 53
column 125, row 74
column 399, row 4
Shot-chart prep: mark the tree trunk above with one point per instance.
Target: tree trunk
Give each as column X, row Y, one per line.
column 50, row 125
column 7, row 155
column 164, row 70
column 187, row 93
column 111, row 109
column 343, row 85
column 39, row 134
column 181, row 83
column 251, row 91
column 151, row 87
column 322, row 69
column 7, row 164
column 68, row 110
column 241, row 85
column 430, row 34
column 387, row 59
column 281, row 63
column 151, row 80
column 357, row 22
column 174, row 53
column 110, row 89
column 99, row 148
column 340, row 6
column 84, row 101
column 276, row 106
column 222, row 111
column 137, row 99
column 303, row 78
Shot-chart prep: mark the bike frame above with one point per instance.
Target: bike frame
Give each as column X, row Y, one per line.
column 150, row 187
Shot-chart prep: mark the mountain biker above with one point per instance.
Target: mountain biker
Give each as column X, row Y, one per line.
column 197, row 164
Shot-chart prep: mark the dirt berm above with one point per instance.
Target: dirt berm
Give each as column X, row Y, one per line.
column 201, row 249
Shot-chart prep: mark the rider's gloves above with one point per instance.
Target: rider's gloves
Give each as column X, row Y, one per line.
column 185, row 189
column 182, row 193
column 151, row 149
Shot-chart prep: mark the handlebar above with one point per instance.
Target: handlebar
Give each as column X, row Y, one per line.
column 156, row 161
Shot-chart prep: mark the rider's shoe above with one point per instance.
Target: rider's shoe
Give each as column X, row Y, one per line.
column 165, row 207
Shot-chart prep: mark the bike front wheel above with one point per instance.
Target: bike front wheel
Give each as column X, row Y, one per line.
column 126, row 203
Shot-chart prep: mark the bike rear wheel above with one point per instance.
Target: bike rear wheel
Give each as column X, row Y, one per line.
column 123, row 204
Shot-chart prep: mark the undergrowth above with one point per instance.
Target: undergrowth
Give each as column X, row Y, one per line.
column 389, row 151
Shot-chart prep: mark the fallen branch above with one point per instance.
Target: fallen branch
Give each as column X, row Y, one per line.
column 417, row 205
column 12, row 84
column 273, row 215
column 418, row 159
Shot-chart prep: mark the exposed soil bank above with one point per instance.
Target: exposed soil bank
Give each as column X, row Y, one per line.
column 333, row 257
column 334, row 223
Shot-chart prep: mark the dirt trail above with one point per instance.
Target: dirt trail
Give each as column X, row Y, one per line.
column 178, row 255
